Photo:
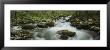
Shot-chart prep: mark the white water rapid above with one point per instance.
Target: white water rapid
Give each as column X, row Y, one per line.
column 61, row 24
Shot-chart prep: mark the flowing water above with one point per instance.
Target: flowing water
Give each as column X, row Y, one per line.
column 51, row 33
column 61, row 24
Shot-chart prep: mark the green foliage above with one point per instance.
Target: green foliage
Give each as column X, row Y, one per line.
column 31, row 16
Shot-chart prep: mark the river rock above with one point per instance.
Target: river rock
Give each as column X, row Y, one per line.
column 15, row 28
column 29, row 26
column 50, row 24
column 42, row 25
column 71, row 34
column 21, row 35
column 67, row 33
column 45, row 24
column 86, row 26
column 64, row 37
column 79, row 27
column 94, row 28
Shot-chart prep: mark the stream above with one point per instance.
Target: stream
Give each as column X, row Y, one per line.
column 51, row 33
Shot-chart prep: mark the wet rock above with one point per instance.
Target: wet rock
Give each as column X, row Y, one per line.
column 94, row 28
column 21, row 35
column 42, row 25
column 66, row 33
column 74, row 24
column 50, row 24
column 86, row 26
column 29, row 26
column 89, row 19
column 19, row 38
column 15, row 28
column 97, row 37
column 64, row 37
column 71, row 34
column 79, row 27
column 97, row 29
column 12, row 38
column 62, row 32
column 45, row 24
column 85, row 23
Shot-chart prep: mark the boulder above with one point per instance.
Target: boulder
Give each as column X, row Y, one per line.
column 50, row 24
column 64, row 37
column 42, row 25
column 29, row 26
column 71, row 34
column 79, row 27
column 66, row 33
column 45, row 24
